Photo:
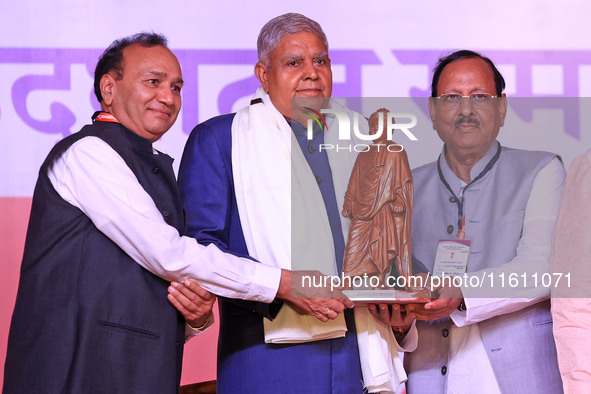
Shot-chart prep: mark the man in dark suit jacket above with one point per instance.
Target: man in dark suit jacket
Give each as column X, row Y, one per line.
column 232, row 166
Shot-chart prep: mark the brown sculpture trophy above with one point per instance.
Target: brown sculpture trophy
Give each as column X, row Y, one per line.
column 379, row 203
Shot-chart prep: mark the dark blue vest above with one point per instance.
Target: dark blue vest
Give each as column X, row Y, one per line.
column 88, row 318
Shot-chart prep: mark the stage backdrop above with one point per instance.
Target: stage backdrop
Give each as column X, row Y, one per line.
column 381, row 48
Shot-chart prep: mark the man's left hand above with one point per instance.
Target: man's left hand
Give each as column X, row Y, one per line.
column 394, row 315
column 193, row 301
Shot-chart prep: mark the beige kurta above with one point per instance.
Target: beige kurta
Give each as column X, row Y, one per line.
column 571, row 253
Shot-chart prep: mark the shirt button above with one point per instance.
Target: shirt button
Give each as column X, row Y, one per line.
column 311, row 149
column 155, row 170
column 165, row 213
column 443, row 370
column 450, row 229
column 453, row 199
column 318, row 180
column 445, row 332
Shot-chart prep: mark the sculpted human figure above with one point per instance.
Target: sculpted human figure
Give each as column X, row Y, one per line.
column 379, row 203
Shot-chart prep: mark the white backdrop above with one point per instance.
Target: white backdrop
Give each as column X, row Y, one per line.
column 380, row 48
column 48, row 51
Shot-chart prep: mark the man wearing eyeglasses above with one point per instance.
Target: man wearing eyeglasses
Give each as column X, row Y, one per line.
column 498, row 205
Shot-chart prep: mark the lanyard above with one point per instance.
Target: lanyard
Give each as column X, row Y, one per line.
column 460, row 202
column 104, row 117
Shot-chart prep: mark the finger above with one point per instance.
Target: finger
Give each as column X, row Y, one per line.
column 373, row 309
column 407, row 319
column 194, row 287
column 337, row 295
column 438, row 303
column 421, row 310
column 396, row 316
column 320, row 316
column 183, row 290
column 400, row 316
column 178, row 305
column 191, row 305
column 331, row 315
column 308, row 306
column 422, row 316
column 384, row 312
column 377, row 313
column 336, row 305
column 347, row 303
column 380, row 311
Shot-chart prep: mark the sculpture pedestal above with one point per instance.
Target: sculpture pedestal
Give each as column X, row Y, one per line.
column 365, row 297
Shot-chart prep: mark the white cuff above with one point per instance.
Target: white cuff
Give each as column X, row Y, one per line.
column 265, row 283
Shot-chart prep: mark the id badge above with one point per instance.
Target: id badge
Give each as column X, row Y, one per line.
column 452, row 257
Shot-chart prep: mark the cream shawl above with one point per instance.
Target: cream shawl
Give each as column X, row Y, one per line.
column 284, row 221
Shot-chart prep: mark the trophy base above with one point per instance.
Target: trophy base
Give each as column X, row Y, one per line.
column 365, row 297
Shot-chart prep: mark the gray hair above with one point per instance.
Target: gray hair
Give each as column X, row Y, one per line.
column 283, row 25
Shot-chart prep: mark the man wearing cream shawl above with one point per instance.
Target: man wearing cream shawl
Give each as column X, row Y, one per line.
column 240, row 181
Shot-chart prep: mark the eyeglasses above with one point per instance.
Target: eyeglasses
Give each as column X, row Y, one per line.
column 453, row 100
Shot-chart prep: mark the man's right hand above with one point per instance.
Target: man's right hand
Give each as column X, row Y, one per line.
column 193, row 301
column 394, row 315
column 448, row 301
column 320, row 302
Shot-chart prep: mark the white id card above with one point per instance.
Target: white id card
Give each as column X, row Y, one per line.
column 452, row 257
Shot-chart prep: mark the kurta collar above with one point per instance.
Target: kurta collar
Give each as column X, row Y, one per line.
column 452, row 179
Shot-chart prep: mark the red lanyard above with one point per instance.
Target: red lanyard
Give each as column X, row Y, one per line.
column 106, row 117
column 461, row 231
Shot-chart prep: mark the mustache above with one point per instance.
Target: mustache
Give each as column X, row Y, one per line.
column 468, row 120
